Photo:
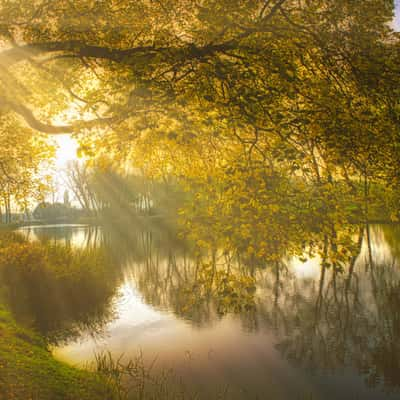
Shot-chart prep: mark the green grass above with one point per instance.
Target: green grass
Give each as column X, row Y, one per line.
column 28, row 370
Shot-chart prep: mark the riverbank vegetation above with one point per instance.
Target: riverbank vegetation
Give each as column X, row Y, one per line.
column 35, row 281
column 58, row 293
column 28, row 369
column 80, row 284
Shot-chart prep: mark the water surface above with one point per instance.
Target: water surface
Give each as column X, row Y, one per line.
column 303, row 329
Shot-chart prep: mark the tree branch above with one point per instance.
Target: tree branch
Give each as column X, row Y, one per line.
column 34, row 123
column 132, row 55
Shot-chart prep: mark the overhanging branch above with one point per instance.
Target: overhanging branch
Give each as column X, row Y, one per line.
column 75, row 48
column 34, row 123
column 131, row 56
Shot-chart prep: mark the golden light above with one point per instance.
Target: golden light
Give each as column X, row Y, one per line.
column 67, row 148
column 67, row 145
column 66, row 152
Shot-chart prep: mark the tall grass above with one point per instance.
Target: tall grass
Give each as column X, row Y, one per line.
column 134, row 380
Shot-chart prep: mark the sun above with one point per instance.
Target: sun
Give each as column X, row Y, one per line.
column 66, row 152
column 67, row 148
column 66, row 145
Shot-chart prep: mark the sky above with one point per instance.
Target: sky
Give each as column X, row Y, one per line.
column 396, row 23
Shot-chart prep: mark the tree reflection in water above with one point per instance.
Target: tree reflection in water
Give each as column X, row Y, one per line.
column 346, row 313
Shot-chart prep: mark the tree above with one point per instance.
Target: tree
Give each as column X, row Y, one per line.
column 291, row 86
column 24, row 155
column 102, row 187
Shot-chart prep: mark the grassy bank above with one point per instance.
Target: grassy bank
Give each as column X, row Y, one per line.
column 29, row 371
column 33, row 277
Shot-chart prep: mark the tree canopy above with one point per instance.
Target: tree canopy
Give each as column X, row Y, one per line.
column 207, row 89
